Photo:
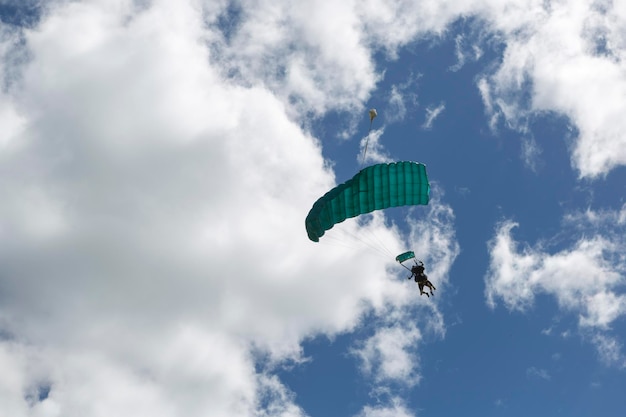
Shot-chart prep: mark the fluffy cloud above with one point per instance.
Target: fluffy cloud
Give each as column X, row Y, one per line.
column 312, row 55
column 402, row 100
column 388, row 354
column 531, row 154
column 586, row 279
column 432, row 112
column 564, row 57
column 397, row 408
column 371, row 150
column 537, row 373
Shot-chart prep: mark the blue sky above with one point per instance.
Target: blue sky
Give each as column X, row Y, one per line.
column 158, row 160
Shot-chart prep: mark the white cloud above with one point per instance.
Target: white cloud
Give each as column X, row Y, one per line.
column 397, row 105
column 605, row 220
column 314, row 55
column 465, row 52
column 582, row 277
column 486, row 94
column 391, row 24
column 390, row 354
column 565, row 57
column 11, row 55
column 460, row 54
column 610, row 350
column 371, row 151
column 279, row 402
column 531, row 154
column 585, row 279
column 534, row 372
column 622, row 216
column 402, row 100
column 395, row 408
column 431, row 114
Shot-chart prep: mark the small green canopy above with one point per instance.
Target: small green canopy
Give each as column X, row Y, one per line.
column 404, row 256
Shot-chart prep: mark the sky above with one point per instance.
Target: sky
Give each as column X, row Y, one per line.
column 158, row 159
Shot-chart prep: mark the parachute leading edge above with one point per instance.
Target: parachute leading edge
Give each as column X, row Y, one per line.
column 374, row 188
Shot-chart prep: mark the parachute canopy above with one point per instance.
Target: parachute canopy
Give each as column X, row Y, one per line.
column 405, row 256
column 374, row 188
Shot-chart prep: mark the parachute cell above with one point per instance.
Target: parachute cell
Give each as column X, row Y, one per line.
column 374, row 188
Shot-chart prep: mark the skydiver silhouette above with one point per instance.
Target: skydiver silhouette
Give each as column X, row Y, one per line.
column 417, row 271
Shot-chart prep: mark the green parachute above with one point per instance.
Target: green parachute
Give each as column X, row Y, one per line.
column 374, row 188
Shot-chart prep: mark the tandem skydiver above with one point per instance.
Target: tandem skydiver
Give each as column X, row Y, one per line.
column 417, row 271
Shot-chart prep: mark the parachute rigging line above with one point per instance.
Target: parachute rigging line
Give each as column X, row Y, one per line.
column 373, row 114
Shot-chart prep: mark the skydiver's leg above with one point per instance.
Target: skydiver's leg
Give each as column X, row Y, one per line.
column 431, row 286
column 421, row 286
